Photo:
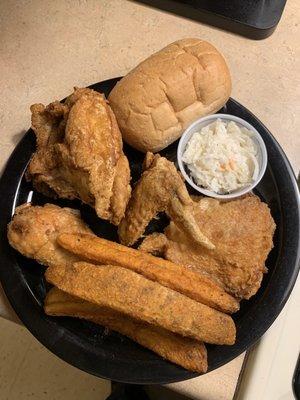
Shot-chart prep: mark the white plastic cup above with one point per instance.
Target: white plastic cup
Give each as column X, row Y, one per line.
column 201, row 123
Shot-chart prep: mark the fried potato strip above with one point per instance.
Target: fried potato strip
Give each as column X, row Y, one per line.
column 186, row 352
column 130, row 293
column 196, row 286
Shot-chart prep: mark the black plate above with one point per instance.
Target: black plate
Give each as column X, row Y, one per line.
column 113, row 356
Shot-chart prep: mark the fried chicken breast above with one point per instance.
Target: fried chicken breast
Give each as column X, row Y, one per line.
column 242, row 231
column 79, row 154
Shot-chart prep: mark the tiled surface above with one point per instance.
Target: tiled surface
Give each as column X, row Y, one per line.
column 219, row 384
column 29, row 371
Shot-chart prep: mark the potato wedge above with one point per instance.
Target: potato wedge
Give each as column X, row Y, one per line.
column 196, row 286
column 186, row 352
column 130, row 293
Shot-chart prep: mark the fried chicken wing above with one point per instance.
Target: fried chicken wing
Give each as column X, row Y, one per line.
column 186, row 352
column 160, row 188
column 242, row 231
column 79, row 154
column 34, row 229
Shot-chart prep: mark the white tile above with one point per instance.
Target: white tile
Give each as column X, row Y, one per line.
column 28, row 370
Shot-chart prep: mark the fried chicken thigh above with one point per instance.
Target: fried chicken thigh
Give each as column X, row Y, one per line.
column 34, row 229
column 242, row 231
column 79, row 154
column 160, row 188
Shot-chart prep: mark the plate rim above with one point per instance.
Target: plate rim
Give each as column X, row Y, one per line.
column 40, row 328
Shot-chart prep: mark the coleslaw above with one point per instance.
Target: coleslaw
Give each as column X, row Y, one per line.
column 222, row 157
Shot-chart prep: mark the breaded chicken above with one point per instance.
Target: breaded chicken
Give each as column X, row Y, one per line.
column 34, row 229
column 242, row 231
column 159, row 189
column 79, row 154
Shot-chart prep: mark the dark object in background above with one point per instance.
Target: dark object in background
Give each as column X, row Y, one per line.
column 256, row 19
column 127, row 392
column 120, row 391
column 296, row 380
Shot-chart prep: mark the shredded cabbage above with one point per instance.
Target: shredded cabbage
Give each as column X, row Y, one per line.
column 222, row 157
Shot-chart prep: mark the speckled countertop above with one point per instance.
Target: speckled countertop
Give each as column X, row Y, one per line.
column 47, row 47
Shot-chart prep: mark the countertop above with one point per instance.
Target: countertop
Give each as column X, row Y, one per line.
column 47, row 47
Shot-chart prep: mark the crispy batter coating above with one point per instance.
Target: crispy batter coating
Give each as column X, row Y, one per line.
column 177, row 277
column 186, row 352
column 131, row 294
column 242, row 231
column 155, row 244
column 160, row 188
column 34, row 229
column 79, row 154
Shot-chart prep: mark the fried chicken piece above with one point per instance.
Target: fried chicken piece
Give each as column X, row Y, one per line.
column 79, row 154
column 242, row 231
column 186, row 352
column 132, row 294
column 34, row 229
column 155, row 244
column 160, row 188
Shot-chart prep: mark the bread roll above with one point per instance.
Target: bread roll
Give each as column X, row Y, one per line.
column 164, row 94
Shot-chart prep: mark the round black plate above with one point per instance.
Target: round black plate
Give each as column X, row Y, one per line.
column 112, row 356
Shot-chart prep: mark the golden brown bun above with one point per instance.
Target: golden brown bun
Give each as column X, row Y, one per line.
column 164, row 94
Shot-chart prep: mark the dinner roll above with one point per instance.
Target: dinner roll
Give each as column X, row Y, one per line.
column 164, row 94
